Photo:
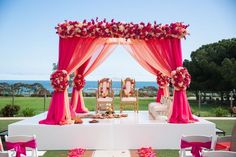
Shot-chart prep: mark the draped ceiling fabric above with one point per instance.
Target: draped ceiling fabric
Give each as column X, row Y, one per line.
column 84, row 46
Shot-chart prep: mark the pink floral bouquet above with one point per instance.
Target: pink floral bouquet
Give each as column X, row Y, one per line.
column 180, row 78
column 162, row 80
column 59, row 80
column 113, row 29
column 79, row 82
column 77, row 152
column 146, row 152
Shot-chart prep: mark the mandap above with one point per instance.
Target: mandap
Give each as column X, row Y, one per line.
column 83, row 46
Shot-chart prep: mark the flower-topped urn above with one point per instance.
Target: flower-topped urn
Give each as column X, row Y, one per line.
column 180, row 78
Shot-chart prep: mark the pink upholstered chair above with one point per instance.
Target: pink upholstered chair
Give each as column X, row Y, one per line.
column 104, row 95
column 29, row 142
column 128, row 94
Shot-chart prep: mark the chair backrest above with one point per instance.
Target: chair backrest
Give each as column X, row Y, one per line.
column 104, row 87
column 193, row 139
column 197, row 138
column 233, row 139
column 128, row 87
column 23, row 138
column 218, row 154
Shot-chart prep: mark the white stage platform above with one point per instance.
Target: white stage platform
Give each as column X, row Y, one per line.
column 132, row 132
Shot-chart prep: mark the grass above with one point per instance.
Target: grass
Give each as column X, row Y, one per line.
column 37, row 103
column 226, row 125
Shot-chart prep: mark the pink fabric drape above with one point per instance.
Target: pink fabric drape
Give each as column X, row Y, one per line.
column 168, row 52
column 137, row 49
column 73, row 52
column 77, row 101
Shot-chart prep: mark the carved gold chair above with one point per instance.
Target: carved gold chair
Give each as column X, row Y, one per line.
column 104, row 95
column 128, row 94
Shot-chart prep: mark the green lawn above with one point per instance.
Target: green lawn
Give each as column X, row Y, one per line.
column 226, row 125
column 37, row 103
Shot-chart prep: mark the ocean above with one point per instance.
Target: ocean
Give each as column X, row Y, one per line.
column 90, row 86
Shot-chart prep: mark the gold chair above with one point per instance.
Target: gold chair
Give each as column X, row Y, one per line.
column 128, row 94
column 104, row 95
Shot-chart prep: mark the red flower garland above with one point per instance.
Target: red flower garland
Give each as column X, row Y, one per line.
column 95, row 28
column 162, row 80
column 180, row 78
column 59, row 80
column 79, row 81
column 146, row 152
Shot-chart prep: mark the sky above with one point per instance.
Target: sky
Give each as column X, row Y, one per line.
column 29, row 44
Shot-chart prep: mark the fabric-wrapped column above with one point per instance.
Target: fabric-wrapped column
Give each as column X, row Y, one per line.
column 180, row 78
column 78, row 105
column 163, row 84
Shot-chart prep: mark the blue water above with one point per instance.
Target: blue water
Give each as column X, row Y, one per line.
column 90, row 86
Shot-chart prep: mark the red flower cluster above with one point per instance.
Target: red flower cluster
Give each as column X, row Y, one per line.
column 146, row 152
column 79, row 81
column 162, row 80
column 59, row 80
column 77, row 152
column 180, row 78
column 112, row 29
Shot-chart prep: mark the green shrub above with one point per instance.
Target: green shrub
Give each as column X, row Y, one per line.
column 28, row 112
column 219, row 112
column 10, row 110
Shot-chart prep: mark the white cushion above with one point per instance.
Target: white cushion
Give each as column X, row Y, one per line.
column 160, row 108
column 107, row 99
column 129, row 99
column 153, row 104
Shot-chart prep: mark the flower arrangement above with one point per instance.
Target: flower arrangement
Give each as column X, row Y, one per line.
column 79, row 81
column 77, row 152
column 113, row 29
column 146, row 152
column 59, row 80
column 180, row 78
column 162, row 80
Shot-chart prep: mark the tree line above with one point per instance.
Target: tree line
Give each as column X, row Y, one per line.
column 213, row 68
column 22, row 89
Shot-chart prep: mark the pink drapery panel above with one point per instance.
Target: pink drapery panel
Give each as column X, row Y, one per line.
column 137, row 49
column 73, row 52
column 77, row 101
column 169, row 50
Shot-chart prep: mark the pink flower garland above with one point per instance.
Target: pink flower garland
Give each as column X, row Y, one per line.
column 146, row 152
column 59, row 80
column 112, row 29
column 79, row 82
column 162, row 80
column 180, row 78
column 77, row 152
